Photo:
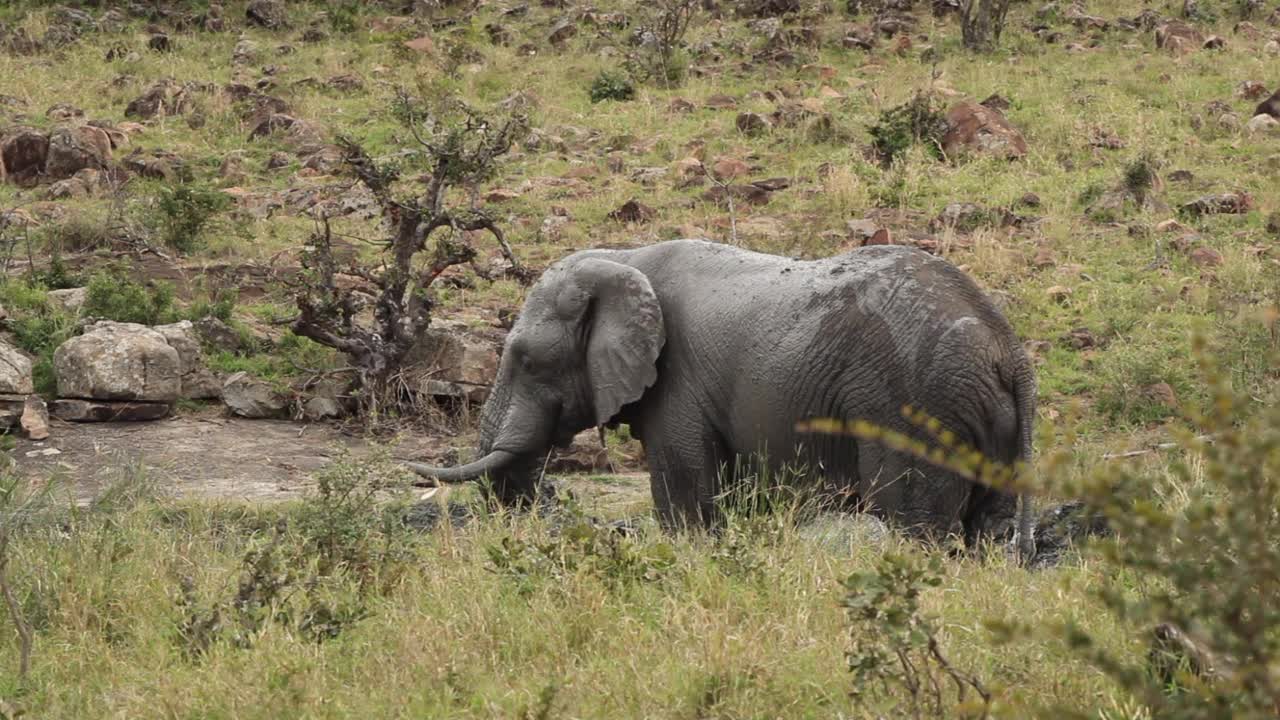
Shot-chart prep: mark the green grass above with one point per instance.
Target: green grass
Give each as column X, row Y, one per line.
column 756, row 630
column 453, row 638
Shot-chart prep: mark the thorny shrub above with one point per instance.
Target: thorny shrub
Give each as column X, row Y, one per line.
column 895, row 644
column 579, row 546
column 318, row 571
column 919, row 120
column 610, row 85
column 185, row 212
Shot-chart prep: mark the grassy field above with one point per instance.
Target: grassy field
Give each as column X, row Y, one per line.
column 455, row 623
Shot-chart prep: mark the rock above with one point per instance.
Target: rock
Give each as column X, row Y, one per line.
column 1262, row 123
column 1205, row 257
column 1059, row 293
column 293, row 128
column 1178, row 37
column 1270, row 106
column 585, row 454
column 77, row 410
column 562, row 31
column 633, row 211
column 15, row 371
column 727, row 168
column 118, row 361
column 269, row 14
column 23, row 152
column 500, row 195
column 159, row 42
column 1214, row 42
column 452, row 360
column 1062, row 527
column 843, row 532
column 961, row 216
column 72, row 149
column 155, row 164
column 862, row 230
column 1251, row 90
column 215, row 333
column 1272, row 47
column 1160, row 394
column 35, row 418
column 164, row 97
column 423, row 44
column 750, row 194
column 198, row 382
column 1231, row 203
column 1030, row 199
column 61, row 112
column 84, row 183
column 720, row 102
column 321, row 408
column 249, row 397
column 1273, row 223
column 347, row 82
column 1174, row 652
column 1081, row 338
column 753, row 124
column 976, row 128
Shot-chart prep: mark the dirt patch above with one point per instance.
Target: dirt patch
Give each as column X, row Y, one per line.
column 209, row 455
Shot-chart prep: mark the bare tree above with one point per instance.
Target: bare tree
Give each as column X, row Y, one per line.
column 662, row 32
column 461, row 148
column 982, row 21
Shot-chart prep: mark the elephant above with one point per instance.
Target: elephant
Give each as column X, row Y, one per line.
column 712, row 353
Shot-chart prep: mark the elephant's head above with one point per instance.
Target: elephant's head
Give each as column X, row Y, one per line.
column 586, row 343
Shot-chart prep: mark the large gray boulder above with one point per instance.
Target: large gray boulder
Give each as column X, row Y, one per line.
column 15, row 371
column 198, row 382
column 118, row 361
column 451, row 359
column 250, row 397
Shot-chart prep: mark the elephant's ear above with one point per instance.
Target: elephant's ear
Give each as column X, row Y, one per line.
column 624, row 331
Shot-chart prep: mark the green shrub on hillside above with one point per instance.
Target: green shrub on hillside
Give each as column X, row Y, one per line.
column 185, row 211
column 610, row 85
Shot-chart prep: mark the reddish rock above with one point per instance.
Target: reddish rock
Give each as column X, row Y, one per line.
column 976, row 128
column 23, row 152
column 633, row 211
column 74, row 149
column 1160, row 394
column 1178, row 37
column 1205, row 257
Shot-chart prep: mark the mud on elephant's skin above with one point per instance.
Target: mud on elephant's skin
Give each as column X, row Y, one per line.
column 712, row 353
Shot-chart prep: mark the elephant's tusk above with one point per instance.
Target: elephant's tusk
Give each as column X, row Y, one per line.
column 492, row 462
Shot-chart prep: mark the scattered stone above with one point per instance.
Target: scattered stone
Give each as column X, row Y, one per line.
column 753, row 124
column 1059, row 293
column 61, row 112
column 1232, row 203
column 633, row 211
column 291, row 127
column 72, row 149
column 78, row 410
column 248, row 397
column 1160, row 394
column 1181, row 176
column 1080, row 338
column 118, row 361
column 1214, row 42
column 1030, row 199
column 500, row 195
column 347, row 82
column 15, row 371
column 35, row 418
column 727, row 168
column 1262, row 123
column 218, row 335
column 862, row 230
column 160, row 42
column 23, row 152
column 680, row 105
column 562, row 31
column 1205, row 257
column 1178, row 37
column 164, row 97
column 84, row 183
column 1273, row 223
column 720, row 102
column 423, row 44
column 155, row 164
column 1044, row 258
column 977, row 128
column 1251, row 90
column 269, row 14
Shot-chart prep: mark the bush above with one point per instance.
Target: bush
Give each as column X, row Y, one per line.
column 919, row 120
column 185, row 211
column 1208, row 560
column 113, row 297
column 612, row 86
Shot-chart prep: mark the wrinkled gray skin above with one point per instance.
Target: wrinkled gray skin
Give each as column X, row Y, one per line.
column 710, row 352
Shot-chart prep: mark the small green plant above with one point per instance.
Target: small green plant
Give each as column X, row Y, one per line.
column 661, row 57
column 896, row 644
column 1140, row 177
column 579, row 546
column 185, row 211
column 611, row 85
column 1209, row 560
column 919, row 120
column 113, row 296
column 344, row 16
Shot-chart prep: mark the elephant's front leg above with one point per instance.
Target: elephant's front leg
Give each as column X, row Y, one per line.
column 686, row 458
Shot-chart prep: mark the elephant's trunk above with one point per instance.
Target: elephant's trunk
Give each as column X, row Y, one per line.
column 492, row 463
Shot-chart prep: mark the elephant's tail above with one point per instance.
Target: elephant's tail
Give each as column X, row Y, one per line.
column 1024, row 391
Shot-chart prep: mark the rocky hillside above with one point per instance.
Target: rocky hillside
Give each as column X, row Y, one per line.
column 1109, row 173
